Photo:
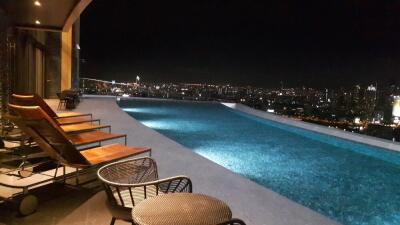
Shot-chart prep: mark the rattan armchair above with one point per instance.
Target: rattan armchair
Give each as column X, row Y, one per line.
column 126, row 183
column 233, row 222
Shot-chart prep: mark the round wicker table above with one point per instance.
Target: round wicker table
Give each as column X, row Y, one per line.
column 181, row 208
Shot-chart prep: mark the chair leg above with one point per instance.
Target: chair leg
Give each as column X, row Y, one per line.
column 64, row 105
column 112, row 221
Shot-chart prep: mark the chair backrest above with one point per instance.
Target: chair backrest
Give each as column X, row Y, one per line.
column 48, row 135
column 122, row 180
column 32, row 100
column 60, row 95
column 131, row 181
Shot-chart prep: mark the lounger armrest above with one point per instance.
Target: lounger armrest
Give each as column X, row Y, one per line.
column 233, row 222
column 77, row 115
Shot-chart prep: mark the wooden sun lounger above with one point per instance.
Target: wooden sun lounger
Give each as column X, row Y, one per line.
column 77, row 139
column 52, row 140
column 61, row 118
column 70, row 128
column 81, row 122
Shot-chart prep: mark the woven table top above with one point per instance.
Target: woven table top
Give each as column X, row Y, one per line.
column 181, row 208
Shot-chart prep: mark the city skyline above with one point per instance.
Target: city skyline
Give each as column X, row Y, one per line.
column 280, row 85
column 360, row 109
column 316, row 44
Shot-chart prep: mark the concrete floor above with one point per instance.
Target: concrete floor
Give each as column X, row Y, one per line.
column 249, row 201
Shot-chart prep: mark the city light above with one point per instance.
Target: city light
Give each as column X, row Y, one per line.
column 396, row 107
column 371, row 88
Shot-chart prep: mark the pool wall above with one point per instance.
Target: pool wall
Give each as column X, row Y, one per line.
column 360, row 138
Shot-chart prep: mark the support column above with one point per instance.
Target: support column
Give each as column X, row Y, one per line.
column 66, row 60
column 75, row 54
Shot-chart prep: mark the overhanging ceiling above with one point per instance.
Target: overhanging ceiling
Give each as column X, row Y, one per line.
column 51, row 15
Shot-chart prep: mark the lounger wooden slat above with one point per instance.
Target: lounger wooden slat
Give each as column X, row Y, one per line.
column 93, row 137
column 82, row 127
column 108, row 153
column 76, row 139
column 74, row 120
column 72, row 114
column 52, row 140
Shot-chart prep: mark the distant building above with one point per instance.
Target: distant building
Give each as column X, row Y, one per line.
column 396, row 109
column 371, row 88
column 378, row 117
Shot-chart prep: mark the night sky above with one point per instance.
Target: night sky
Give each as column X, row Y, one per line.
column 317, row 43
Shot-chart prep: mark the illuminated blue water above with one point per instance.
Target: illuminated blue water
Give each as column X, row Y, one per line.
column 351, row 183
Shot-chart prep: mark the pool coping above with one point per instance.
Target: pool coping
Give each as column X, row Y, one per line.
column 331, row 131
column 248, row 200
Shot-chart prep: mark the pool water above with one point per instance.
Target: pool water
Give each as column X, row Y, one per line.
column 349, row 182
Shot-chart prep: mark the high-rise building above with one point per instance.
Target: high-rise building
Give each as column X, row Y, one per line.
column 370, row 99
column 396, row 107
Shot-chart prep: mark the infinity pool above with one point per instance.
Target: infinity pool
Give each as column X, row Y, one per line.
column 349, row 182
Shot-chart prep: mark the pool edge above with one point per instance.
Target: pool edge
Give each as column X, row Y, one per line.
column 359, row 138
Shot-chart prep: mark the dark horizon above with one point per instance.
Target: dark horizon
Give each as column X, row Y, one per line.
column 314, row 44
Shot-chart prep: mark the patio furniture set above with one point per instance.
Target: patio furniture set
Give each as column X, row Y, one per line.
column 71, row 144
column 68, row 99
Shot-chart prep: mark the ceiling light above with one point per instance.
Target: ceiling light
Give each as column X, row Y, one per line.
column 37, row 22
column 37, row 3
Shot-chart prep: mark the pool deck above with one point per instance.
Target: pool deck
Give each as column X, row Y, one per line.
column 255, row 204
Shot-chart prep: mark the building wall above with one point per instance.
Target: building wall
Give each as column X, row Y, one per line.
column 4, row 23
column 27, row 43
column 61, row 62
column 46, row 62
column 6, row 66
column 33, row 47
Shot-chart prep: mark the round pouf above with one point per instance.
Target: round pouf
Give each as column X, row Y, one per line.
column 181, row 208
